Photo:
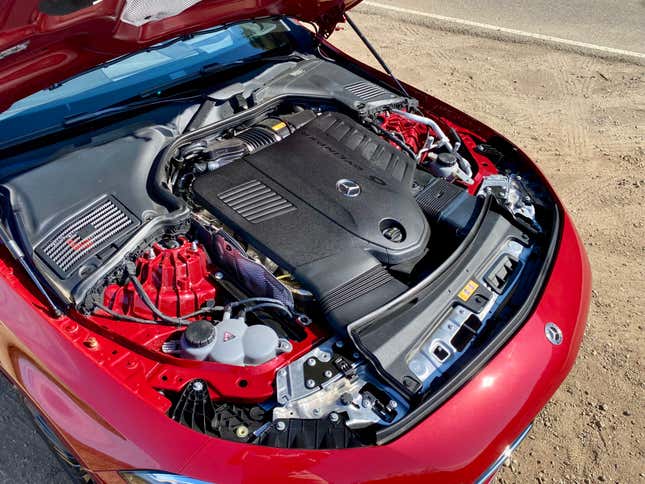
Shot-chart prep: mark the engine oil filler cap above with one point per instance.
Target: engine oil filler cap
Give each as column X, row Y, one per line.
column 392, row 230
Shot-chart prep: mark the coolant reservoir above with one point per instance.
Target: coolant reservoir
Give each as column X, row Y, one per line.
column 445, row 166
column 198, row 340
column 237, row 343
column 229, row 344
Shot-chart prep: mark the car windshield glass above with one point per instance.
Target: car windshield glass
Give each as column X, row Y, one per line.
column 163, row 65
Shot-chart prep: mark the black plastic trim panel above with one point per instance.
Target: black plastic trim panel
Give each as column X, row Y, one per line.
column 455, row 381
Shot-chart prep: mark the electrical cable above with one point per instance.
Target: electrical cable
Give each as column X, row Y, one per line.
column 131, row 319
column 131, row 270
column 268, row 305
column 392, row 138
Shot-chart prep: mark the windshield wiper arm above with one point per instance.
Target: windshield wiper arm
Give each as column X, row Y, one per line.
column 122, row 108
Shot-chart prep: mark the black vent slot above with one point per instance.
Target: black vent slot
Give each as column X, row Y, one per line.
column 309, row 434
column 501, row 273
column 85, row 235
column 365, row 90
column 437, row 197
column 256, row 202
column 357, row 287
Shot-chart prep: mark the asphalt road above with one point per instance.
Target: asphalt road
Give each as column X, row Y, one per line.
column 618, row 24
column 24, row 455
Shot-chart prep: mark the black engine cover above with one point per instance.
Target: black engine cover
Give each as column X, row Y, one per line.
column 330, row 203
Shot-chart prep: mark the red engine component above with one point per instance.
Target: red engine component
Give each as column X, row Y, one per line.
column 414, row 134
column 176, row 279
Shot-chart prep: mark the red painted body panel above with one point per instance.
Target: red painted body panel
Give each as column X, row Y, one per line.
column 62, row 46
column 110, row 427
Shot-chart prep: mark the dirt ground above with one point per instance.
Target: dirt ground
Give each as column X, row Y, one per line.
column 583, row 120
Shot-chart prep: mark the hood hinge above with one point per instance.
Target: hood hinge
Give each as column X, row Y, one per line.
column 327, row 22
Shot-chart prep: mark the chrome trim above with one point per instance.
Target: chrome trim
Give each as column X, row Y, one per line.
column 499, row 462
column 348, row 188
column 553, row 333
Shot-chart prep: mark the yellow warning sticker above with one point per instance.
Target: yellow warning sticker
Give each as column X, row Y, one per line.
column 468, row 290
column 279, row 126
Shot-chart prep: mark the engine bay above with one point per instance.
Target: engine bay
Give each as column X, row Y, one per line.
column 301, row 264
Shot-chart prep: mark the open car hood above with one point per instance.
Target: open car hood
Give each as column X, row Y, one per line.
column 43, row 42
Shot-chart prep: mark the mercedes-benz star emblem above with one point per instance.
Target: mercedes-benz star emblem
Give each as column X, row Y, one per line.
column 349, row 188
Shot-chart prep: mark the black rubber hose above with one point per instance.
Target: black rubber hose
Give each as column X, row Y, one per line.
column 268, row 305
column 131, row 270
column 393, row 138
column 131, row 319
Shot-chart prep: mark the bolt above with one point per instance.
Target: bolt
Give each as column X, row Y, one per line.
column 339, row 344
column 324, row 356
column 91, row 343
column 195, row 248
column 316, row 412
column 328, row 373
column 310, row 383
column 198, row 386
column 334, row 417
column 311, row 361
column 219, row 276
column 367, row 403
column 355, row 356
column 282, row 372
column 242, row 432
column 392, row 405
column 489, row 190
column 150, row 253
column 304, row 320
column 280, row 426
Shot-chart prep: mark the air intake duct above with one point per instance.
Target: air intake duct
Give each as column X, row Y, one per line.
column 448, row 206
column 213, row 153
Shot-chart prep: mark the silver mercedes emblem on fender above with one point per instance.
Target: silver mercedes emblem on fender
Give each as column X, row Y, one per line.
column 553, row 333
column 349, row 188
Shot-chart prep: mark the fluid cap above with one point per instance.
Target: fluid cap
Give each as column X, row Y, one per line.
column 447, row 159
column 200, row 334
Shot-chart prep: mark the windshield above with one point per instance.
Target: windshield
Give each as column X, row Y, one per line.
column 164, row 65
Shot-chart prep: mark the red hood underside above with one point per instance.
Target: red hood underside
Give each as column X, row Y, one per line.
column 38, row 49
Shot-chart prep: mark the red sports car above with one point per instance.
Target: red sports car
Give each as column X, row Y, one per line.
column 232, row 253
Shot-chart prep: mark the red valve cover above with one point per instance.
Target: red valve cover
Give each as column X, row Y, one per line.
column 176, row 279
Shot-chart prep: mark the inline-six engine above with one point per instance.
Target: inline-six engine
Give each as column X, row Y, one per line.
column 331, row 204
